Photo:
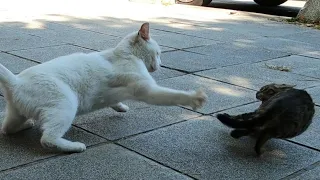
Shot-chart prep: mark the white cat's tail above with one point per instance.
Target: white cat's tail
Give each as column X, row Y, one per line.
column 7, row 78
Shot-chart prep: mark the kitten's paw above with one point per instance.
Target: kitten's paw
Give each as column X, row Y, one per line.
column 120, row 107
column 198, row 99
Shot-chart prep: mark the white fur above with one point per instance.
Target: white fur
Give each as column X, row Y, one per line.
column 56, row 91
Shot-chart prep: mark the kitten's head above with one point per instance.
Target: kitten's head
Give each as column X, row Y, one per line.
column 267, row 91
column 144, row 47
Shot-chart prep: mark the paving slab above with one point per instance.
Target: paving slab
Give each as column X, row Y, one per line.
column 312, row 174
column 253, row 27
column 315, row 94
column 188, row 61
column 133, row 122
column 220, row 95
column 5, row 32
column 14, row 63
column 280, row 44
column 217, row 32
column 236, row 53
column 299, row 65
column 117, row 27
column 179, row 41
column 314, row 54
column 24, row 147
column 309, row 138
column 48, row 53
column 312, row 135
column 165, row 73
column 256, row 75
column 25, row 41
column 203, row 149
column 84, row 36
column 103, row 162
column 310, row 37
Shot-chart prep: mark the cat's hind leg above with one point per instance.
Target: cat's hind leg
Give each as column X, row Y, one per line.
column 56, row 122
column 262, row 139
column 120, row 107
column 14, row 122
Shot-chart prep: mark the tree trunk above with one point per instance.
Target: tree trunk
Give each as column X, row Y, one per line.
column 310, row 12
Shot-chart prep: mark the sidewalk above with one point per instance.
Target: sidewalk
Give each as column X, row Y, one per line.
column 225, row 52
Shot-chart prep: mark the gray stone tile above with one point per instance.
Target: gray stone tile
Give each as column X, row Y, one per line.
column 220, row 95
column 25, row 42
column 70, row 34
column 312, row 135
column 15, row 64
column 312, row 174
column 314, row 54
column 236, row 53
column 299, row 65
column 49, row 53
column 108, row 26
column 166, row 49
column 241, row 109
column 188, row 61
column 103, row 162
column 310, row 37
column 265, row 28
column 254, row 76
column 165, row 73
column 2, row 106
column 9, row 33
column 203, row 149
column 315, row 94
column 179, row 41
column 218, row 33
column 280, row 44
column 24, row 147
column 98, row 44
column 136, row 121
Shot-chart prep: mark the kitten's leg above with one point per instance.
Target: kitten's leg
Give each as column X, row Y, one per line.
column 157, row 95
column 14, row 122
column 262, row 139
column 120, row 107
column 57, row 121
column 238, row 133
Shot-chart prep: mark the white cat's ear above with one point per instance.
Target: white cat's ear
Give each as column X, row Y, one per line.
column 144, row 31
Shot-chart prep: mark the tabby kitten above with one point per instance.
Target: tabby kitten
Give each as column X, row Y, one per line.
column 285, row 112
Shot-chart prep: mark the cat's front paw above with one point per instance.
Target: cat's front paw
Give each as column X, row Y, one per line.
column 198, row 98
column 120, row 107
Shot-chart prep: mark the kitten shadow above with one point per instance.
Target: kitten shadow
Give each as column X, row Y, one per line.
column 244, row 148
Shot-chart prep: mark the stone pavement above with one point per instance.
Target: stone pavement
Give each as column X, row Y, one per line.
column 224, row 53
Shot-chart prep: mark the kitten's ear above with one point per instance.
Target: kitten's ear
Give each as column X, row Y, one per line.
column 144, row 31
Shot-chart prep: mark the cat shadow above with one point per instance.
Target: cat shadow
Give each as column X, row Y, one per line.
column 26, row 142
column 244, row 148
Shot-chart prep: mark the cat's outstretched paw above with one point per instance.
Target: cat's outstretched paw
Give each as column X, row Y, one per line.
column 198, row 99
column 120, row 107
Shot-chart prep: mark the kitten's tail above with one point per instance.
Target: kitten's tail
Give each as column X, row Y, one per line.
column 237, row 124
column 7, row 78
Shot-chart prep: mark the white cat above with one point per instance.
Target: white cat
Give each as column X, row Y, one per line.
column 56, row 91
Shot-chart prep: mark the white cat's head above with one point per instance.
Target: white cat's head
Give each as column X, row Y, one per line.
column 144, row 47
